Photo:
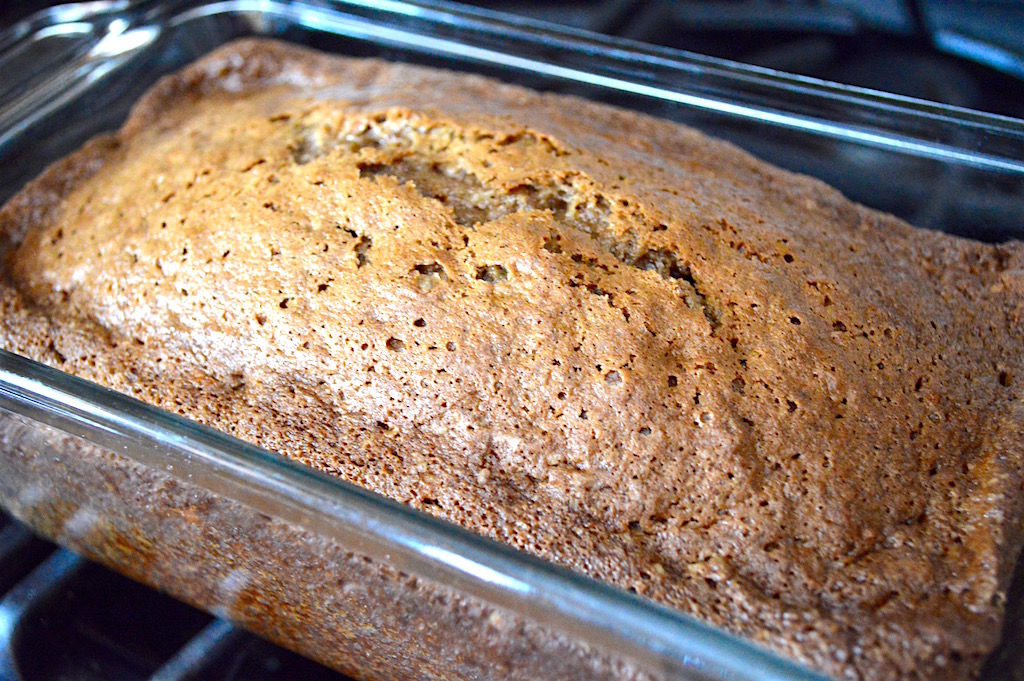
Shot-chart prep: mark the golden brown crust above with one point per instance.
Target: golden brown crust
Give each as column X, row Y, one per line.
column 600, row 337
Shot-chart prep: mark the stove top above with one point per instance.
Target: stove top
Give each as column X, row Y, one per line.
column 964, row 53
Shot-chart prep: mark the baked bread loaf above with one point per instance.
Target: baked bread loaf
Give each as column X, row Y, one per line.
column 597, row 336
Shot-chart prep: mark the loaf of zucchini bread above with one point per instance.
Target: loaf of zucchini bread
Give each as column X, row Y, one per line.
column 597, row 336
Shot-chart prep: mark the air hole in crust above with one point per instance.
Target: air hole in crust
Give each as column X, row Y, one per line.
column 429, row 275
column 362, row 249
column 492, row 274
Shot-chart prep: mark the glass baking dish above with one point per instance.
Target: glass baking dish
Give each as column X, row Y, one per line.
column 333, row 571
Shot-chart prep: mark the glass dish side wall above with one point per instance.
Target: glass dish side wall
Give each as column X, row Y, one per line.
column 288, row 584
column 115, row 478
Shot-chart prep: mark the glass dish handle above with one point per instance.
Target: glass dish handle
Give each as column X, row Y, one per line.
column 49, row 58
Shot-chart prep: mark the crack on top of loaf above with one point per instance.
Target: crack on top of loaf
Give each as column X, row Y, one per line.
column 436, row 157
column 393, row 130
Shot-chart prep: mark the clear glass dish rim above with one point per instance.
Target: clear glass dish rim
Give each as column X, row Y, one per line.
column 656, row 636
column 869, row 118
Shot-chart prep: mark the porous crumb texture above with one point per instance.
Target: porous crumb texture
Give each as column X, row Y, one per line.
column 599, row 337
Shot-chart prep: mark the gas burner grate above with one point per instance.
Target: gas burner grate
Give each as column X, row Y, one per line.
column 64, row 618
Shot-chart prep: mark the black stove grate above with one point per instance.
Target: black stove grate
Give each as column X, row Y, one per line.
column 63, row 618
